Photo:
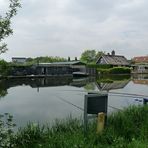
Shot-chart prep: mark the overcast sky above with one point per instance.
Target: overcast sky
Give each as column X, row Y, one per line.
column 68, row 27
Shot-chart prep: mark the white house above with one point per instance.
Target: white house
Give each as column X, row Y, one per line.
column 18, row 60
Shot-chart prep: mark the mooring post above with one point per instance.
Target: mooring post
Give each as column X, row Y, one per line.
column 100, row 122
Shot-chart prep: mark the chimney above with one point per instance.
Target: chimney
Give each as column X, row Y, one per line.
column 113, row 53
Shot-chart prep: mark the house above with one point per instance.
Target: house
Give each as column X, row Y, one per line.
column 20, row 60
column 113, row 60
column 140, row 64
column 140, row 60
column 111, row 86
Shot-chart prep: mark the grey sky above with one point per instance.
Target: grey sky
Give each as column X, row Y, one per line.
column 68, row 27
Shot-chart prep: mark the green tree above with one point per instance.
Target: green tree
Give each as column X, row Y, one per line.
column 46, row 59
column 5, row 23
column 91, row 56
column 99, row 53
column 88, row 56
column 4, row 67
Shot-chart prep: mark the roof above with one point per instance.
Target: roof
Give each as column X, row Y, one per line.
column 19, row 58
column 141, row 59
column 69, row 63
column 114, row 60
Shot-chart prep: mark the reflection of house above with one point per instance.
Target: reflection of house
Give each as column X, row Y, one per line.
column 140, row 79
column 60, row 68
column 140, row 64
column 142, row 59
column 79, row 82
column 141, row 82
column 18, row 59
column 114, row 85
column 114, row 60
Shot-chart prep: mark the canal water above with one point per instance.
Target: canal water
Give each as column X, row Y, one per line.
column 45, row 99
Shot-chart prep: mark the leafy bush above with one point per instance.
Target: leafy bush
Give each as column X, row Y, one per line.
column 101, row 66
column 120, row 70
column 6, row 131
column 4, row 67
column 115, row 70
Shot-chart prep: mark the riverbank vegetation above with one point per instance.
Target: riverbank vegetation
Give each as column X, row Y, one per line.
column 114, row 70
column 46, row 59
column 107, row 69
column 126, row 128
column 4, row 68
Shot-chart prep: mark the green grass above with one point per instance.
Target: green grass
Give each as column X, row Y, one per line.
column 125, row 129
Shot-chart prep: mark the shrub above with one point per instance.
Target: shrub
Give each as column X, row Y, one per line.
column 101, row 66
column 6, row 131
column 4, row 67
column 115, row 70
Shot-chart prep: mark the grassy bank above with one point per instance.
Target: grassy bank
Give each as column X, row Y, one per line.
column 125, row 129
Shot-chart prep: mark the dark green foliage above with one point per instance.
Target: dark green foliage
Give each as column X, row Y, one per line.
column 5, row 23
column 120, row 70
column 101, row 66
column 115, row 77
column 4, row 68
column 6, row 131
column 88, row 56
column 115, row 70
column 91, row 56
column 112, row 78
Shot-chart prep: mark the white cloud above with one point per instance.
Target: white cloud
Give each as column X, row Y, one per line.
column 67, row 27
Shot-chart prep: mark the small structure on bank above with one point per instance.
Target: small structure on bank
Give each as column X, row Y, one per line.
column 20, row 60
column 113, row 60
column 60, row 68
column 140, row 64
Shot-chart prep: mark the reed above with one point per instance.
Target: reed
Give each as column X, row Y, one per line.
column 127, row 128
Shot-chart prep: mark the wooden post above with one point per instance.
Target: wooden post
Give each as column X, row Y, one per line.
column 100, row 122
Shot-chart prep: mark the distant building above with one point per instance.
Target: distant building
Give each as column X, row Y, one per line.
column 140, row 60
column 140, row 64
column 18, row 60
column 112, row 59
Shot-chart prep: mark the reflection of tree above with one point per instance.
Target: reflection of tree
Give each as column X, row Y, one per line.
column 90, row 86
column 112, row 82
column 3, row 93
column 3, row 89
column 112, row 78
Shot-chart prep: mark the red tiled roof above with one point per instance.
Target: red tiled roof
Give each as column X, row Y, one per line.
column 142, row 59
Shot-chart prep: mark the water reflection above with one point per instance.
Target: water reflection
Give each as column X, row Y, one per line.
column 3, row 89
column 140, row 79
column 46, row 99
column 112, row 82
column 44, row 82
column 112, row 85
